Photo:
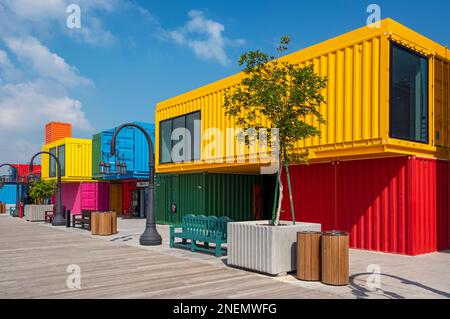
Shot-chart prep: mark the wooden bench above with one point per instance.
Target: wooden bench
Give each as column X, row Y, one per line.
column 201, row 229
column 83, row 220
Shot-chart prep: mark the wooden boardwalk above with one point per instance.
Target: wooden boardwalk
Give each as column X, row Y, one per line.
column 33, row 262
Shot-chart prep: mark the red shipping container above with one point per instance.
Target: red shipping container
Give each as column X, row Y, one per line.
column 127, row 195
column 396, row 205
column 24, row 170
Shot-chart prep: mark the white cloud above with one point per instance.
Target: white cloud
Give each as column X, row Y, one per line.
column 28, row 106
column 46, row 16
column 50, row 65
column 205, row 37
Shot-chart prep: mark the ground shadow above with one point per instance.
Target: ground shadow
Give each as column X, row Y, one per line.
column 362, row 292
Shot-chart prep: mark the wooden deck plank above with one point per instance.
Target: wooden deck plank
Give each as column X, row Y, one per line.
column 33, row 261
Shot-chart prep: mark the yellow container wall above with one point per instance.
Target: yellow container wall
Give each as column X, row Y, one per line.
column 441, row 98
column 357, row 95
column 78, row 165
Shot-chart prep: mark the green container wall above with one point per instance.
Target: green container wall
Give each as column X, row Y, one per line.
column 206, row 194
column 96, row 154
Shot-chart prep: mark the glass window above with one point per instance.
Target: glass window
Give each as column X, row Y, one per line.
column 62, row 159
column 52, row 168
column 165, row 131
column 193, row 126
column 409, row 95
column 191, row 122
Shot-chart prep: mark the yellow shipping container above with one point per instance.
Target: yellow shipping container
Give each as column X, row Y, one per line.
column 75, row 155
column 360, row 122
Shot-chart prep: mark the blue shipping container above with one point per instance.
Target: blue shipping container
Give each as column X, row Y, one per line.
column 8, row 194
column 132, row 148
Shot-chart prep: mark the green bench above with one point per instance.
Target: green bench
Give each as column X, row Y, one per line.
column 208, row 230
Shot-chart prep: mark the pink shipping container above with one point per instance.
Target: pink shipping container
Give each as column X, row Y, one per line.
column 396, row 205
column 90, row 196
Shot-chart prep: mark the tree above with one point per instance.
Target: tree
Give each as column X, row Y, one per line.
column 41, row 190
column 286, row 95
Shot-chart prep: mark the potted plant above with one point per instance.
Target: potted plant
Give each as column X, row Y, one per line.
column 286, row 95
column 40, row 192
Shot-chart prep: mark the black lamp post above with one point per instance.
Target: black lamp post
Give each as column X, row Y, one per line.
column 150, row 237
column 59, row 219
column 17, row 185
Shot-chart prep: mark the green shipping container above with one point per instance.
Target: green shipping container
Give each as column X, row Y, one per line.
column 240, row 197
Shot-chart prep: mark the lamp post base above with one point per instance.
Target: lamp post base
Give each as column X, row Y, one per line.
column 59, row 221
column 150, row 237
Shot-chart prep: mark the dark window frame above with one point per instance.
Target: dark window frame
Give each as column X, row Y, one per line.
column 62, row 163
column 394, row 44
column 51, row 161
column 185, row 116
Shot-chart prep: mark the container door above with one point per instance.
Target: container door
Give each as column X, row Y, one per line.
column 88, row 195
column 160, row 199
column 172, row 205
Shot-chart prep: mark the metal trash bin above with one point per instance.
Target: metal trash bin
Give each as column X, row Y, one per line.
column 308, row 255
column 335, row 258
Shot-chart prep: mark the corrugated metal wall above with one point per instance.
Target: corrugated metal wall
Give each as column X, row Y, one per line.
column 442, row 102
column 90, row 196
column 127, row 195
column 8, row 194
column 206, row 194
column 357, row 101
column 115, row 197
column 131, row 143
column 396, row 205
column 78, row 159
column 55, row 131
column 95, row 196
column 24, row 170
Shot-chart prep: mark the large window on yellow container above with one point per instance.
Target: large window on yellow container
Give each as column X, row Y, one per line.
column 180, row 138
column 52, row 163
column 409, row 95
column 62, row 159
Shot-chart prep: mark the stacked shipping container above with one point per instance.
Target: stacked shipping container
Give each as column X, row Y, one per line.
column 387, row 125
column 132, row 149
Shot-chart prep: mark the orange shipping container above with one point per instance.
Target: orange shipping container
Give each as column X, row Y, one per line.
column 55, row 131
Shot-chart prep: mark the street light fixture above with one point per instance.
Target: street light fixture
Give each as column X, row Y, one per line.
column 150, row 237
column 59, row 219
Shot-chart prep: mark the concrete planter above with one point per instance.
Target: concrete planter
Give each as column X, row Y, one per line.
column 36, row 213
column 272, row 250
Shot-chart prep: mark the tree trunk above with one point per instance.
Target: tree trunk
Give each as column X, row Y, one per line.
column 280, row 194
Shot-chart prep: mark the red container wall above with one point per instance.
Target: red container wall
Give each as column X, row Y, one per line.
column 127, row 195
column 24, row 170
column 397, row 205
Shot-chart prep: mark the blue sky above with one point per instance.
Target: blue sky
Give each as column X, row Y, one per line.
column 128, row 55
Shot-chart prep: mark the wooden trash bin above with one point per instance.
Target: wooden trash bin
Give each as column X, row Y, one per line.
column 113, row 222
column 335, row 258
column 308, row 256
column 104, row 228
column 95, row 223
